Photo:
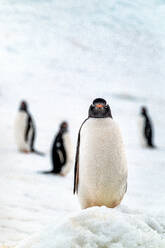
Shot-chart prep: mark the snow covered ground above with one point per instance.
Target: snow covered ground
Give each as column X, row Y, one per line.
column 101, row 227
column 60, row 55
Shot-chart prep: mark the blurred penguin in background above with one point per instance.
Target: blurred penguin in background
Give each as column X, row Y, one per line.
column 25, row 131
column 62, row 151
column 146, row 127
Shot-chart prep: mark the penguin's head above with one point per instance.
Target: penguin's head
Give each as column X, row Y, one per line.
column 23, row 106
column 99, row 109
column 64, row 127
column 143, row 110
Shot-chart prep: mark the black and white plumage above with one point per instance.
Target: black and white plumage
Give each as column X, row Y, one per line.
column 146, row 129
column 24, row 129
column 100, row 167
column 62, row 151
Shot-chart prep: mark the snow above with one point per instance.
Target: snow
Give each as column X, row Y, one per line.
column 59, row 55
column 101, row 227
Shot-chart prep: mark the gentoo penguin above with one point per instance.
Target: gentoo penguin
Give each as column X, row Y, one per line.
column 146, row 129
column 100, row 177
column 25, row 130
column 61, row 151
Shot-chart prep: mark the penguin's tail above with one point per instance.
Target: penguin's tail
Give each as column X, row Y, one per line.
column 38, row 152
column 47, row 172
column 152, row 146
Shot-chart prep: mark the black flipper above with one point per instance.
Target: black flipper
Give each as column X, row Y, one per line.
column 30, row 125
column 33, row 137
column 29, row 121
column 76, row 168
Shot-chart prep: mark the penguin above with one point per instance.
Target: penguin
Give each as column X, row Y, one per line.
column 146, row 129
column 100, row 175
column 61, row 153
column 25, row 131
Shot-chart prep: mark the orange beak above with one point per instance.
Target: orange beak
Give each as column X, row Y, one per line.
column 99, row 105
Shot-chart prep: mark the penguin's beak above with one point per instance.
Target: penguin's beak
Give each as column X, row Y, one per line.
column 99, row 105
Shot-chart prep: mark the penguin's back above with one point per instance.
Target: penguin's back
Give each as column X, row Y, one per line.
column 102, row 163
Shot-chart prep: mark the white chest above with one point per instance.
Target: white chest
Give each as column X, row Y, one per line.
column 102, row 161
column 141, row 124
column 68, row 146
column 69, row 153
column 20, row 129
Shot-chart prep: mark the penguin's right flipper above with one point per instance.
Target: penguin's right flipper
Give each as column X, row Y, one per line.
column 29, row 121
column 76, row 168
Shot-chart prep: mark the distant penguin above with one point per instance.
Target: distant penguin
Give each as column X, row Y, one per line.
column 25, row 131
column 62, row 151
column 146, row 129
column 100, row 177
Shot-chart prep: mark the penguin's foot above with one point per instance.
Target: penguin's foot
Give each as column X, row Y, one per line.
column 62, row 174
column 25, row 151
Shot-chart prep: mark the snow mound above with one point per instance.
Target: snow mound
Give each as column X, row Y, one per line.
column 100, row 227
